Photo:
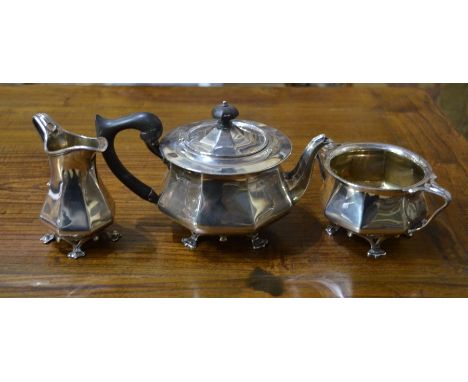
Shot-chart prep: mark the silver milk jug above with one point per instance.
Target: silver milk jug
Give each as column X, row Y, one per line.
column 77, row 206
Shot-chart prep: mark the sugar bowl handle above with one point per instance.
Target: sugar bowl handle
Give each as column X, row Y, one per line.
column 432, row 187
column 150, row 128
column 322, row 156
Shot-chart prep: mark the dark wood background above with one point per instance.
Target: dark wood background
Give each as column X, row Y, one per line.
column 301, row 259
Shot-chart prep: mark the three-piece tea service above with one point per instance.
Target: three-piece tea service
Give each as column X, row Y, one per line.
column 225, row 178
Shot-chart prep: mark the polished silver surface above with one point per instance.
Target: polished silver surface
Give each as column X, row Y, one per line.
column 298, row 179
column 77, row 206
column 216, row 205
column 226, row 179
column 377, row 191
column 235, row 147
column 235, row 205
column 241, row 139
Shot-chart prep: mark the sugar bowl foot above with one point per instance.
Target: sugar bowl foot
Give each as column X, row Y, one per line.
column 375, row 242
column 376, row 250
column 191, row 242
column 258, row 242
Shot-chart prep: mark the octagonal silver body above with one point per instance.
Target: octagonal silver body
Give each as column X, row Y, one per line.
column 77, row 205
column 224, row 205
column 377, row 191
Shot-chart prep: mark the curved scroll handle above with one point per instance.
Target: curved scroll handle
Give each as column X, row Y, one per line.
column 433, row 188
column 150, row 128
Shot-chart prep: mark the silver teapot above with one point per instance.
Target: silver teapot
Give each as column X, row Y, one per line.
column 77, row 206
column 377, row 191
column 225, row 175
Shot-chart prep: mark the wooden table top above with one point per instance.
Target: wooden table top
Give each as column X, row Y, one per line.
column 301, row 259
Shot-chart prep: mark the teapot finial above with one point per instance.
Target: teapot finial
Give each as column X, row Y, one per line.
column 224, row 113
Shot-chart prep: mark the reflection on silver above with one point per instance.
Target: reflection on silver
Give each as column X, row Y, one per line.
column 340, row 287
column 328, row 284
column 244, row 147
column 377, row 191
column 77, row 205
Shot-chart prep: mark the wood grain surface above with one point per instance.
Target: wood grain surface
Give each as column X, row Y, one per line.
column 301, row 259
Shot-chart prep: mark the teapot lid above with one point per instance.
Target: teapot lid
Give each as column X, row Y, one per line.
column 225, row 145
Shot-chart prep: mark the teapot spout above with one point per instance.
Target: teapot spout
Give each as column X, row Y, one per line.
column 297, row 180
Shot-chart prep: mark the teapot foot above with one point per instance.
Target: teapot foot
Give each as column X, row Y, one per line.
column 258, row 242
column 375, row 242
column 331, row 229
column 191, row 242
column 48, row 238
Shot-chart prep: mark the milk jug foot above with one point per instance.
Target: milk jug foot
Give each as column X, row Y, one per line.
column 114, row 235
column 47, row 238
column 258, row 242
column 191, row 242
column 76, row 252
column 331, row 229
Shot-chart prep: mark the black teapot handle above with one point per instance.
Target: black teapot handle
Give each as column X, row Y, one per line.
column 150, row 128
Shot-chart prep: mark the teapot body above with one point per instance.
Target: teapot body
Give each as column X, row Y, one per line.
column 224, row 205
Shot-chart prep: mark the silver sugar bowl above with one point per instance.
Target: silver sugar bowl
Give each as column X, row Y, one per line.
column 377, row 191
